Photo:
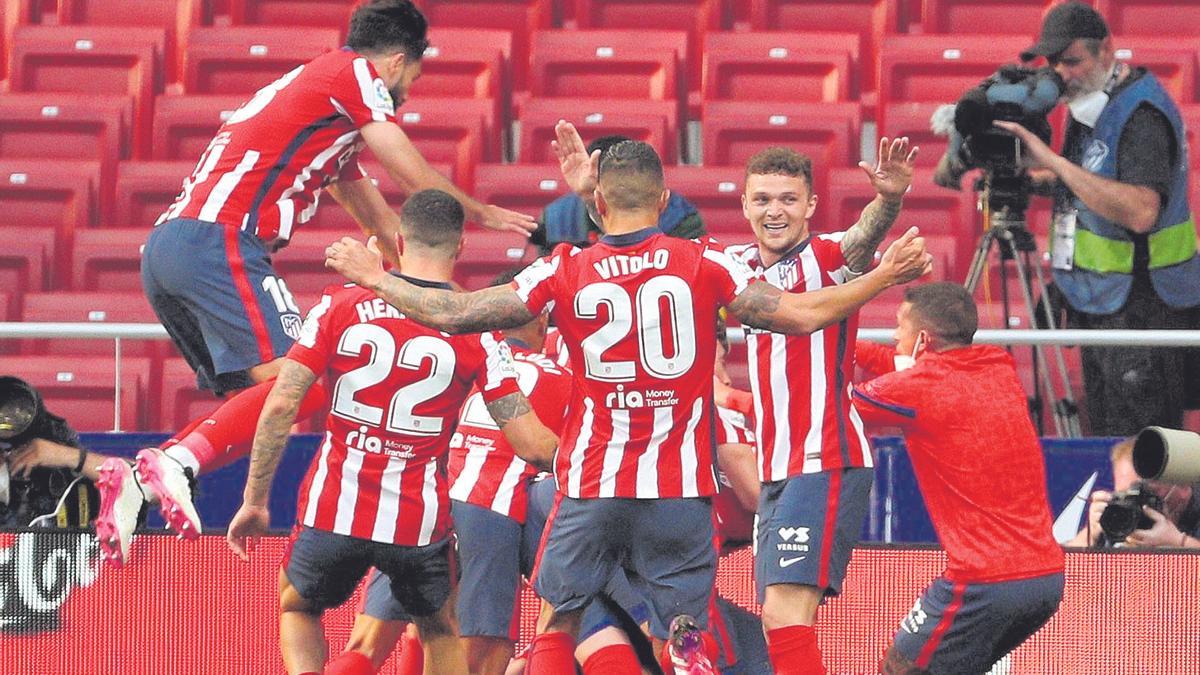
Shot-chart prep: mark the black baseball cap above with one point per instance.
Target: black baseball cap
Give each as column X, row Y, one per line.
column 1065, row 24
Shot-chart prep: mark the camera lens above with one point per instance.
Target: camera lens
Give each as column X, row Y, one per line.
column 1118, row 520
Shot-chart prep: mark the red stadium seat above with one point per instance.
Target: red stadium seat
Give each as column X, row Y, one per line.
column 12, row 14
column 90, row 307
column 58, row 197
column 487, row 253
column 697, row 17
column 145, row 190
column 941, row 67
column 527, row 188
column 72, row 127
column 184, row 125
column 82, row 390
column 181, row 401
column 1150, row 17
column 522, row 17
column 109, row 260
column 26, row 260
column 331, row 216
column 871, row 19
column 243, row 59
column 1190, row 112
column 608, row 64
column 827, row 132
column 649, row 121
column 984, row 16
column 458, row 131
column 92, row 60
column 1172, row 60
column 716, row 191
column 779, row 67
column 302, row 265
column 468, row 62
column 175, row 17
column 316, row 13
column 912, row 120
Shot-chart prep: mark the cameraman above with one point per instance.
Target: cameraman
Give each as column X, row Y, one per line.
column 1123, row 245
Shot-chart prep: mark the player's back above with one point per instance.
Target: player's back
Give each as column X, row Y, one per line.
column 638, row 315
column 263, row 169
column 396, row 388
column 483, row 469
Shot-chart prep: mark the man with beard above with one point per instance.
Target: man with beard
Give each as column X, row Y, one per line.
column 1124, row 242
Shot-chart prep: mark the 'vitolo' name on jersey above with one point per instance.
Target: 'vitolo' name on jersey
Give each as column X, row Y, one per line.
column 622, row 265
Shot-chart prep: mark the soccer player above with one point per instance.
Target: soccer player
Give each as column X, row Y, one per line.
column 979, row 466
column 814, row 460
column 206, row 266
column 638, row 312
column 375, row 495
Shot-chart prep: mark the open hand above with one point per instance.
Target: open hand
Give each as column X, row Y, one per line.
column 579, row 169
column 504, row 220
column 892, row 174
column 360, row 264
column 1035, row 151
column 1162, row 533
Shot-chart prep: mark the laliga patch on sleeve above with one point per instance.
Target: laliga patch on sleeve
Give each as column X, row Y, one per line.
column 381, row 101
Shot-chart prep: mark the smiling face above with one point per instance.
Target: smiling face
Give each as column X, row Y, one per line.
column 778, row 207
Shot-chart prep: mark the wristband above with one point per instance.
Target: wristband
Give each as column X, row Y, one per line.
column 82, row 459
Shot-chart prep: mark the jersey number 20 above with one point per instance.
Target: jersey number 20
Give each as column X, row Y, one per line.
column 646, row 314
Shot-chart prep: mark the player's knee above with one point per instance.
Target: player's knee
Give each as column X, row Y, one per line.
column 790, row 605
column 895, row 663
column 265, row 371
column 290, row 599
column 376, row 638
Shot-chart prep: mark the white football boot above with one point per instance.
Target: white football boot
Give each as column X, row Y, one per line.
column 121, row 500
column 166, row 481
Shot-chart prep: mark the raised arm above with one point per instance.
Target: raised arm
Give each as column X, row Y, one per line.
column 531, row 440
column 891, row 177
column 763, row 306
column 362, row 200
column 406, row 166
column 494, row 308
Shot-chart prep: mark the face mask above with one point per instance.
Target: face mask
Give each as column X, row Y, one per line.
column 1086, row 109
column 906, row 361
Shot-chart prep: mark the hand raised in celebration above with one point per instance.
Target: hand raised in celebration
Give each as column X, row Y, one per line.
column 892, row 174
column 579, row 169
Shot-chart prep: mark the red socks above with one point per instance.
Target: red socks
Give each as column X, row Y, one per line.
column 412, row 656
column 226, row 434
column 350, row 663
column 794, row 651
column 552, row 654
column 619, row 659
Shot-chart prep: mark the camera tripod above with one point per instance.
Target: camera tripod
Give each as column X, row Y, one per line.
column 1003, row 202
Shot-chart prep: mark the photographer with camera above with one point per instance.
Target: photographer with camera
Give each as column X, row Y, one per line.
column 1123, row 246
column 46, row 476
column 1141, row 513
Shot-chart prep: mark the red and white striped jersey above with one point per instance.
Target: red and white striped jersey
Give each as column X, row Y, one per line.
column 483, row 469
column 266, row 166
column 805, row 419
column 638, row 314
column 397, row 389
column 733, row 521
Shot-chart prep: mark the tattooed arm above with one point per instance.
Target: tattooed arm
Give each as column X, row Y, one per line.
column 891, row 177
column 763, row 306
column 492, row 308
column 278, row 415
column 276, row 420
column 530, row 439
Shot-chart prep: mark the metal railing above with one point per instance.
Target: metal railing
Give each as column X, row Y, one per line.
column 151, row 331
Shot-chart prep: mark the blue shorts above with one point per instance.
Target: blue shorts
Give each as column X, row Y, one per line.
column 325, row 568
column 214, row 290
column 493, row 552
column 664, row 547
column 808, row 525
column 966, row 628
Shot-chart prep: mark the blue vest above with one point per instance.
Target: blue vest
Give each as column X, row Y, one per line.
column 1102, row 275
column 567, row 220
